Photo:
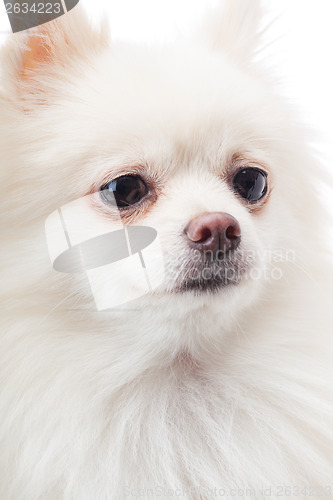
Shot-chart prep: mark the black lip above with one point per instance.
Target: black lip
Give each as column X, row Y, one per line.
column 210, row 273
column 205, row 286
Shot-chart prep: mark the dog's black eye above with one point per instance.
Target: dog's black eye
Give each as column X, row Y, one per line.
column 251, row 183
column 124, row 191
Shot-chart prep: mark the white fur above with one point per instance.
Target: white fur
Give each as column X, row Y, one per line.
column 179, row 392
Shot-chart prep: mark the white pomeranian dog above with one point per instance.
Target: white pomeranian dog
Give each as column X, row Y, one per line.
column 218, row 382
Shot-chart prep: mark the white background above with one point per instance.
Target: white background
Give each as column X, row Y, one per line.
column 302, row 47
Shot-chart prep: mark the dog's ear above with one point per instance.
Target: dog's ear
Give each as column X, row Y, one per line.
column 33, row 59
column 234, row 28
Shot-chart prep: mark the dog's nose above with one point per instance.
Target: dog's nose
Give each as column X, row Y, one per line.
column 213, row 231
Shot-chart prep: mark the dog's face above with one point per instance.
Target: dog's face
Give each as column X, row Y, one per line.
column 188, row 141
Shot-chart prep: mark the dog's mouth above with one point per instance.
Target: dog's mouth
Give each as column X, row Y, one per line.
column 209, row 273
column 213, row 284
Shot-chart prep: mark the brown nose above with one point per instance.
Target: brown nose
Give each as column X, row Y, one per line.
column 213, row 231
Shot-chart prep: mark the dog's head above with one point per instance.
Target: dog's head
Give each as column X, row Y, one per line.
column 191, row 140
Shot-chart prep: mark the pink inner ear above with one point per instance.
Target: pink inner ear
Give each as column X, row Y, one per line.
column 43, row 47
column 37, row 53
column 55, row 42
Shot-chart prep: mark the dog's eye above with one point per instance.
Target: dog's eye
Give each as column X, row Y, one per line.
column 124, row 191
column 250, row 183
